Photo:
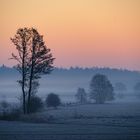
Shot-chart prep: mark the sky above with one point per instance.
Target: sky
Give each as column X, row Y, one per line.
column 86, row 33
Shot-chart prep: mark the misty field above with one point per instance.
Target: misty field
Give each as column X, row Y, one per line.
column 117, row 121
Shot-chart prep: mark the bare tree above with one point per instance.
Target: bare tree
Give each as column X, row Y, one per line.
column 21, row 41
column 34, row 59
column 81, row 95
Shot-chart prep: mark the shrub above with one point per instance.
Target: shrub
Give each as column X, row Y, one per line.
column 9, row 112
column 53, row 100
column 35, row 104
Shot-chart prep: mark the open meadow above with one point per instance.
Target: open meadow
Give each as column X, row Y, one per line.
column 110, row 121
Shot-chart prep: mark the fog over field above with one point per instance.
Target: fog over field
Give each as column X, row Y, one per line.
column 65, row 82
column 115, row 120
column 111, row 121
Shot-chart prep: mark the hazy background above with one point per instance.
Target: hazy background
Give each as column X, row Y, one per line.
column 65, row 82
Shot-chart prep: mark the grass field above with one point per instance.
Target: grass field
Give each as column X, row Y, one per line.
column 111, row 121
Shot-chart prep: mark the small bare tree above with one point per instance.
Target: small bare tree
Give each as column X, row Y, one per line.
column 81, row 95
column 34, row 59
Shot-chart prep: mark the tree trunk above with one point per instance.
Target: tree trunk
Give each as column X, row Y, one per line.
column 29, row 92
column 31, row 79
column 23, row 79
column 24, row 106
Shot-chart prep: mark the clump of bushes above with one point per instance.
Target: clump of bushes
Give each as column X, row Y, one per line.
column 9, row 112
column 36, row 104
column 13, row 115
column 53, row 100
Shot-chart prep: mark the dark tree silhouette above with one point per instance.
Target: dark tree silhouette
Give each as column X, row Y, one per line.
column 35, row 104
column 81, row 95
column 21, row 40
column 101, row 89
column 53, row 100
column 34, row 59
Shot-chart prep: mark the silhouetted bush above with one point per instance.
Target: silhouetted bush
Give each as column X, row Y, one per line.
column 9, row 112
column 53, row 100
column 35, row 104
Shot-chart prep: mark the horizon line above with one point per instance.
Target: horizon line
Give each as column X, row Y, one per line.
column 84, row 67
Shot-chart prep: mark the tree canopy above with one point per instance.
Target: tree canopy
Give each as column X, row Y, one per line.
column 34, row 59
column 101, row 89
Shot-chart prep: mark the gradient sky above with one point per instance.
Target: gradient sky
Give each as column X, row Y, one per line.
column 104, row 33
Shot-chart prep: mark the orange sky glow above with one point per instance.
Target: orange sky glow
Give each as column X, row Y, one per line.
column 104, row 33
